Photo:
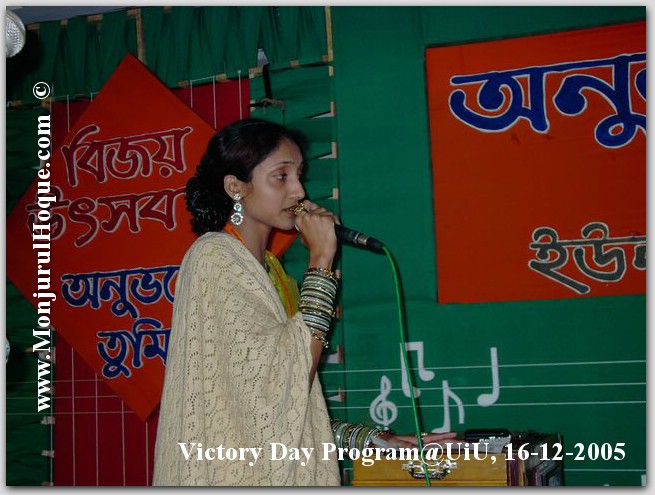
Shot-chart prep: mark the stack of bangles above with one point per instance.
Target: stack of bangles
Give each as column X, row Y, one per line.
column 349, row 435
column 317, row 295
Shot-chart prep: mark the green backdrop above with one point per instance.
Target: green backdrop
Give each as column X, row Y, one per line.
column 574, row 366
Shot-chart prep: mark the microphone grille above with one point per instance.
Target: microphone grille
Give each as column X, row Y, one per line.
column 14, row 34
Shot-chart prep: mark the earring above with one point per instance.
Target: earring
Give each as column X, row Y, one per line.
column 237, row 217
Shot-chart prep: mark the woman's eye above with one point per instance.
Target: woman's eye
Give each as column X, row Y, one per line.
column 281, row 176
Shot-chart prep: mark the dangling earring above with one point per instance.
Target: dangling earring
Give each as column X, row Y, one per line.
column 237, row 217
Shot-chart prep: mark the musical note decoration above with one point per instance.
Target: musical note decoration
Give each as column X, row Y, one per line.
column 449, row 394
column 488, row 399
column 383, row 411
column 423, row 373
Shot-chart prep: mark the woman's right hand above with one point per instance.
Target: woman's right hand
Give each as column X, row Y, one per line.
column 316, row 227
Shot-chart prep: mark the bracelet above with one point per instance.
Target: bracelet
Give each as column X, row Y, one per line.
column 316, row 303
column 346, row 436
column 354, row 435
column 326, row 272
column 320, row 336
column 361, row 437
column 338, row 429
column 352, row 442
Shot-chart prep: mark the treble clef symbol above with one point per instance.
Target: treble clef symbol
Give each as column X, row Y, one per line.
column 382, row 411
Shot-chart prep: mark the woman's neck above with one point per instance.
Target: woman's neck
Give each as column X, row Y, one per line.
column 254, row 239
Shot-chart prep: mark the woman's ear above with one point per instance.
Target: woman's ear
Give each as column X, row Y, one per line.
column 232, row 185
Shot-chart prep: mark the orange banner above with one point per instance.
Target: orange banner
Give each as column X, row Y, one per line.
column 539, row 165
column 96, row 241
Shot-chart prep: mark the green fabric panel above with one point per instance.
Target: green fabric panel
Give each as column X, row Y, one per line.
column 60, row 77
column 316, row 129
column 306, row 91
column 312, row 34
column 443, row 25
column 294, row 33
column 151, row 20
column 320, row 133
column 321, row 178
column 49, row 33
column 185, row 43
column 168, row 43
column 26, row 437
column 250, row 26
column 181, row 19
column 75, row 50
column 215, row 22
column 161, row 48
column 287, row 35
column 200, row 57
column 242, row 40
column 92, row 66
column 269, row 36
column 131, row 37
column 112, row 42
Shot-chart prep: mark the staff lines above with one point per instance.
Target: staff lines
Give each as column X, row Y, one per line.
column 476, row 387
column 487, row 366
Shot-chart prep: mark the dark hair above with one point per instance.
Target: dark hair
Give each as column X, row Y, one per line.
column 235, row 150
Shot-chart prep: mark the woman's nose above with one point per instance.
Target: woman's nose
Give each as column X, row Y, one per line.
column 298, row 191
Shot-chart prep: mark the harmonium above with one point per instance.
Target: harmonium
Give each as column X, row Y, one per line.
column 484, row 462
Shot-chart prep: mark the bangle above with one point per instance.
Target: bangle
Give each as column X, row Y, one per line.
column 338, row 429
column 360, row 441
column 320, row 336
column 326, row 272
column 316, row 303
column 346, row 436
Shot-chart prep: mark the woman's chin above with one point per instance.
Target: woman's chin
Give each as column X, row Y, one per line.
column 286, row 226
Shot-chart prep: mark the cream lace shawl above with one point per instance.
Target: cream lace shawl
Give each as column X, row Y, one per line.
column 237, row 376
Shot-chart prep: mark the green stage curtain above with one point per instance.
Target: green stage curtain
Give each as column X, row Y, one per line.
column 294, row 33
column 180, row 44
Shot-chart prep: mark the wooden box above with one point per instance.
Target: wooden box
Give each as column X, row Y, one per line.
column 448, row 472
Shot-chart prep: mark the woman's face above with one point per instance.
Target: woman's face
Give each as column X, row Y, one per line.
column 275, row 188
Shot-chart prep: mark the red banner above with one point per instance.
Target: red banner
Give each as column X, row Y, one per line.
column 539, row 165
column 96, row 241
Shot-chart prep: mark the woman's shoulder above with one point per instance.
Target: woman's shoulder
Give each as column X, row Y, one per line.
column 210, row 245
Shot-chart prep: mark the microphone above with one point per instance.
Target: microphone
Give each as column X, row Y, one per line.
column 350, row 236
column 14, row 34
column 357, row 239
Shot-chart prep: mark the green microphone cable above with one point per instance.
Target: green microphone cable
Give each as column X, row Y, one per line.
column 410, row 379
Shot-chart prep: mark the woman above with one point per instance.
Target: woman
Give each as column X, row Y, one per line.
column 245, row 345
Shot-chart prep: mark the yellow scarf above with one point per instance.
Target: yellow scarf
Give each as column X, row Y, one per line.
column 286, row 286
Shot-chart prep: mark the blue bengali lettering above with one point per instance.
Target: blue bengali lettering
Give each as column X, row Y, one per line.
column 123, row 288
column 502, row 92
column 125, row 351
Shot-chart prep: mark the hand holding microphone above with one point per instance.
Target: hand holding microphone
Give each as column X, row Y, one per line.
column 344, row 234
column 316, row 226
